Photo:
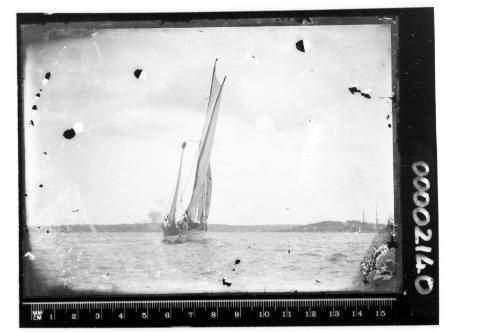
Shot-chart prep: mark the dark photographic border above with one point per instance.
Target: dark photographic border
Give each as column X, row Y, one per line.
column 414, row 148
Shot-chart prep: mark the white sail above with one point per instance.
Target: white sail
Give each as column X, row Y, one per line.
column 207, row 186
column 173, row 205
column 204, row 201
column 201, row 206
column 208, row 194
column 205, row 149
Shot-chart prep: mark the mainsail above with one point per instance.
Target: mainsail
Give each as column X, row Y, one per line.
column 200, row 198
column 204, row 205
column 204, row 202
column 208, row 193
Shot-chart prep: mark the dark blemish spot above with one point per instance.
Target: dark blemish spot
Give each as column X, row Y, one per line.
column 25, row 195
column 389, row 125
column 75, row 210
column 366, row 95
column 34, row 108
column 317, row 281
column 200, row 30
column 38, row 94
column 226, row 282
column 309, row 120
column 234, row 269
column 354, row 89
column 387, row 117
column 300, row 46
column 32, row 123
column 41, row 90
column 48, row 231
column 69, row 133
column 47, row 76
column 289, row 251
column 237, row 261
column 40, row 186
column 45, row 153
column 137, row 73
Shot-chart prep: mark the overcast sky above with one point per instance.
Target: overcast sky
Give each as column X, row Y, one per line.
column 292, row 145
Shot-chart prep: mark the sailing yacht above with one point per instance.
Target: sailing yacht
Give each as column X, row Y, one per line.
column 181, row 225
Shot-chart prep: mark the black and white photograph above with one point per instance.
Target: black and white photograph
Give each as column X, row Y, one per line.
column 210, row 159
column 249, row 164
column 241, row 158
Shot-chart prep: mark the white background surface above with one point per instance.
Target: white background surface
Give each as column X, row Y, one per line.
column 468, row 126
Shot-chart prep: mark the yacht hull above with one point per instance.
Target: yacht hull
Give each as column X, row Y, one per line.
column 183, row 236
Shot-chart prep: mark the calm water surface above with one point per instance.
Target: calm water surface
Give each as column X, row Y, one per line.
column 141, row 263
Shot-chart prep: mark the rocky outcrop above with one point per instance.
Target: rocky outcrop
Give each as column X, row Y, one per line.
column 378, row 266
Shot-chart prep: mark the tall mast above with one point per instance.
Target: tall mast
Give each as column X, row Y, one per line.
column 212, row 83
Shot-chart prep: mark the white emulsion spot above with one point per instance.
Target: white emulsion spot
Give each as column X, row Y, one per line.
column 78, row 127
column 307, row 44
column 30, row 256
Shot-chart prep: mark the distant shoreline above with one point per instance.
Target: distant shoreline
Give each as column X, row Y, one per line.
column 322, row 226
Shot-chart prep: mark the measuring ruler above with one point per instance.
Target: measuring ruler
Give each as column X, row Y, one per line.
column 217, row 312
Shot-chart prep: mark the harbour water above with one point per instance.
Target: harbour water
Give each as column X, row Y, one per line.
column 139, row 263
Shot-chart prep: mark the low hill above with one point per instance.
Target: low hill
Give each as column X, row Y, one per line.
column 322, row 226
column 248, row 228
